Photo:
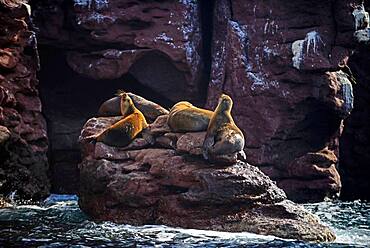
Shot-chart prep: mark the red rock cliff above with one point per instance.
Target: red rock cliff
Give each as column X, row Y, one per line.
column 24, row 143
column 283, row 62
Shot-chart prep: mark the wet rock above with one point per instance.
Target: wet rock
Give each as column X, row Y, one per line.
column 4, row 203
column 23, row 139
column 172, row 185
column 284, row 68
column 311, row 177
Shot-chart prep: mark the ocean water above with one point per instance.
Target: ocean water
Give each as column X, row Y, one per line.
column 59, row 222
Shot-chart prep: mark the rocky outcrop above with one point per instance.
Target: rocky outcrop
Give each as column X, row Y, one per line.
column 149, row 47
column 283, row 63
column 162, row 179
column 23, row 140
column 159, row 43
column 355, row 141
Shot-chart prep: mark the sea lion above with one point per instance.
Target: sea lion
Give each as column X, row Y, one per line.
column 149, row 109
column 125, row 130
column 184, row 117
column 224, row 141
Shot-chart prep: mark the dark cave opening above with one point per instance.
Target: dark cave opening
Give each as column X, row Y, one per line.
column 69, row 100
column 355, row 141
column 207, row 14
column 308, row 135
column 156, row 70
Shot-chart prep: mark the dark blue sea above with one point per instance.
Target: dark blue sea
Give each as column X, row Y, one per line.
column 59, row 222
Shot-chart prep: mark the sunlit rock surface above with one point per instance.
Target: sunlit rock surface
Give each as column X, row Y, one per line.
column 165, row 180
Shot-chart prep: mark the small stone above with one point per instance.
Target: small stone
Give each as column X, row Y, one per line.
column 7, row 59
column 4, row 134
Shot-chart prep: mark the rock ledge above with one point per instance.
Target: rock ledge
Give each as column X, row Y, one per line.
column 162, row 179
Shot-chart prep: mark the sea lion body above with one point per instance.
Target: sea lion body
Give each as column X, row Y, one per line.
column 184, row 117
column 228, row 139
column 125, row 130
column 223, row 139
column 110, row 107
column 148, row 108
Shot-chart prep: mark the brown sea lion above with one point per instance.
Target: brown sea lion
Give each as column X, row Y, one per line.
column 125, row 130
column 224, row 141
column 149, row 109
column 184, row 117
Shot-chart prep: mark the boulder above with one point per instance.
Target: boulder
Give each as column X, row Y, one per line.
column 169, row 183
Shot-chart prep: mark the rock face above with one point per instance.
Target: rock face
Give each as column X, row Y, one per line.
column 23, row 139
column 159, row 43
column 165, row 181
column 355, row 141
column 149, row 47
column 281, row 63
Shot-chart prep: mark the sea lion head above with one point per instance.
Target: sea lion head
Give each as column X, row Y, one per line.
column 225, row 102
column 126, row 102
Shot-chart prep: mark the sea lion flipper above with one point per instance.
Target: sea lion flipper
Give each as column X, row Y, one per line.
column 121, row 133
column 208, row 142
